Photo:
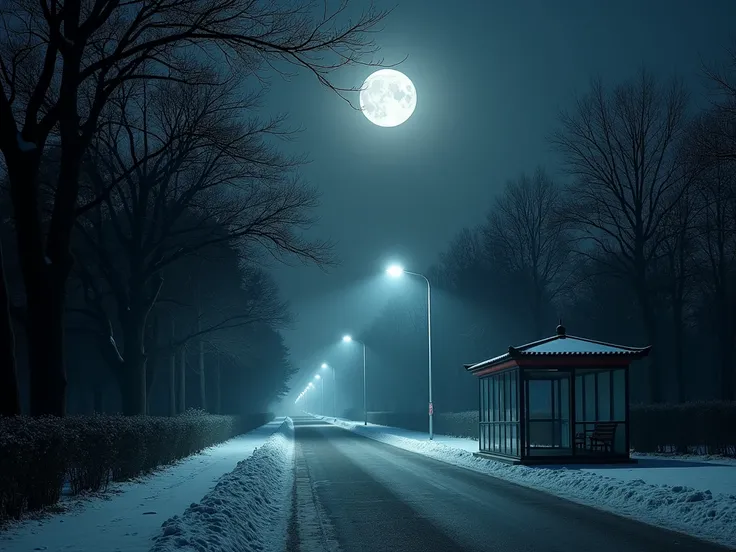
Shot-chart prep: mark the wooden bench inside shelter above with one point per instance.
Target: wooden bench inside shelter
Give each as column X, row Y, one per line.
column 599, row 438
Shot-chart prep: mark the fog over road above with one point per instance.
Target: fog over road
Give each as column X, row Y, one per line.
column 354, row 494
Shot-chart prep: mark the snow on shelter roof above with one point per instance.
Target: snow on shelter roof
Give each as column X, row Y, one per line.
column 561, row 345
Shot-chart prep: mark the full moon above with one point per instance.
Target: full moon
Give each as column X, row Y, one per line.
column 388, row 98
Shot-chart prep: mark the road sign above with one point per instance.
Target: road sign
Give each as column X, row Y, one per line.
column 431, row 409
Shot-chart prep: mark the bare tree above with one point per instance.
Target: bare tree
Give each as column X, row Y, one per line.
column 525, row 231
column 464, row 253
column 222, row 310
column 715, row 224
column 720, row 140
column 622, row 147
column 185, row 170
column 9, row 391
column 61, row 62
column 675, row 274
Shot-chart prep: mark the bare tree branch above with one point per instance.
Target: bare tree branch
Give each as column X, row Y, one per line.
column 525, row 231
column 623, row 147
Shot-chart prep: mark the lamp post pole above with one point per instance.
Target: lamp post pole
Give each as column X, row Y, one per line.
column 348, row 339
column 323, row 396
column 395, row 271
column 365, row 401
column 324, row 366
column 429, row 351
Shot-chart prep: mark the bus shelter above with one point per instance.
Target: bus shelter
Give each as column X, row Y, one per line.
column 561, row 399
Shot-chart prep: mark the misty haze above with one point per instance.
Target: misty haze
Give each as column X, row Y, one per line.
column 364, row 276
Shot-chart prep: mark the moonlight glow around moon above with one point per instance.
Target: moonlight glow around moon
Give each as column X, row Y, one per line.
column 388, row 98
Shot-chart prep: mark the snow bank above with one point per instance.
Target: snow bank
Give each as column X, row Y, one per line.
column 700, row 513
column 247, row 510
column 129, row 515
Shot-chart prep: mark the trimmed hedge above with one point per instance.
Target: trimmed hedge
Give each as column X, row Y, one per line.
column 39, row 457
column 415, row 421
column 704, row 428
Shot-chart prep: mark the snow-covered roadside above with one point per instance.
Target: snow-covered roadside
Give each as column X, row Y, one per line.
column 697, row 512
column 248, row 509
column 130, row 514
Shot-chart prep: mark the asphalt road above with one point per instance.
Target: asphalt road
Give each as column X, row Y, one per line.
column 353, row 494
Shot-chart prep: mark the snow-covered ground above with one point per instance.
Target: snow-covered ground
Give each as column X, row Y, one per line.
column 128, row 517
column 693, row 495
column 248, row 509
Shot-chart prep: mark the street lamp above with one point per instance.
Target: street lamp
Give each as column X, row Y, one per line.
column 318, row 377
column 334, row 388
column 349, row 339
column 310, row 386
column 396, row 271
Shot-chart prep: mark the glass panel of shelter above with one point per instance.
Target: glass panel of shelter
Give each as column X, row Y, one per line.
column 600, row 396
column 499, row 417
column 547, row 412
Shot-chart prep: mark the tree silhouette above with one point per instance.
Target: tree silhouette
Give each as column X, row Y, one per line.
column 60, row 65
column 526, row 233
column 621, row 146
column 185, row 169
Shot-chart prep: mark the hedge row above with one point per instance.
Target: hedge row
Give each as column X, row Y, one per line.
column 704, row 428
column 41, row 458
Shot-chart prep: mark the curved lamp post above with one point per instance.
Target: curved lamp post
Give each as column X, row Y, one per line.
column 396, row 271
column 325, row 366
column 349, row 339
column 319, row 378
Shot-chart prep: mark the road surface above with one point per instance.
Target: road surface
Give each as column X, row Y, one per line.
column 353, row 494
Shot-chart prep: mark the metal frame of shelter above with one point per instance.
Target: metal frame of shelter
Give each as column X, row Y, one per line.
column 563, row 399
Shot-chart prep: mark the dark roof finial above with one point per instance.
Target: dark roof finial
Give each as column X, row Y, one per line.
column 561, row 329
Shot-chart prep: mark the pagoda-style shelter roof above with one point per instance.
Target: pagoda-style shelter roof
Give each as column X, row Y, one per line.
column 559, row 347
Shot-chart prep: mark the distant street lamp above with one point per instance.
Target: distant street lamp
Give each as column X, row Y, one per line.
column 396, row 271
column 318, row 377
column 334, row 388
column 310, row 386
column 300, row 397
column 349, row 339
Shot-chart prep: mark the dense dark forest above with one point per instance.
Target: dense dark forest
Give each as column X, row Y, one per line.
column 632, row 242
column 168, row 305
column 143, row 193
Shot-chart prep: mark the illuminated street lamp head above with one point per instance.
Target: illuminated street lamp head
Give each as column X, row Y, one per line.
column 395, row 271
column 324, row 365
column 311, row 385
column 317, row 377
column 347, row 338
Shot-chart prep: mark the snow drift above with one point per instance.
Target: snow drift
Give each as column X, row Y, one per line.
column 700, row 513
column 247, row 510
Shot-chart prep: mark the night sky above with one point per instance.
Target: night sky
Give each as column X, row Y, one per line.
column 491, row 78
